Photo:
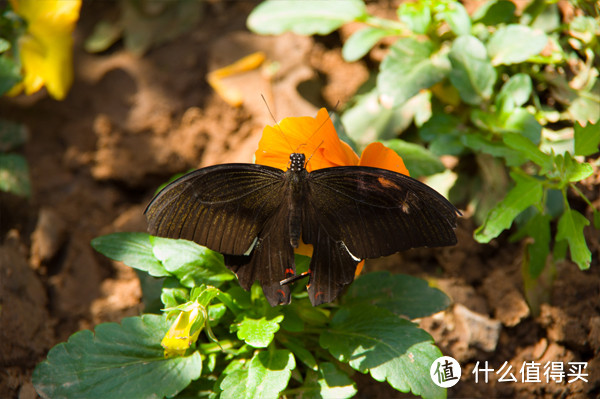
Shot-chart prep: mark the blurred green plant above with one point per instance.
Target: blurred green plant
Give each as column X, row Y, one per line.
column 14, row 172
column 249, row 349
column 517, row 93
column 142, row 24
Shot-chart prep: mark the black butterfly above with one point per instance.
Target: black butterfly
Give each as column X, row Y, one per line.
column 255, row 216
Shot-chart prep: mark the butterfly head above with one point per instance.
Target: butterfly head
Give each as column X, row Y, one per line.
column 297, row 162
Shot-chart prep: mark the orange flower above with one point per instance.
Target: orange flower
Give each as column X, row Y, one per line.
column 318, row 140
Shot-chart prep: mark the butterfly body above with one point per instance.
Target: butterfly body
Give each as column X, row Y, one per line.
column 256, row 215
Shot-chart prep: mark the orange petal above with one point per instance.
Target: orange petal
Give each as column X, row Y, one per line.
column 359, row 268
column 314, row 137
column 379, row 156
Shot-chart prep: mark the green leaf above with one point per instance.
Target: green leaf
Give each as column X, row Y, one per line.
column 391, row 348
column 455, row 15
column 117, row 361
column 298, row 347
column 12, row 135
column 514, row 93
column 521, row 121
column 9, row 74
column 4, row 45
column 328, row 383
column 513, row 44
column 528, row 149
column 418, row 160
column 14, row 175
column 258, row 332
column 578, row 171
column 496, row 13
column 409, row 67
column 479, row 143
column 401, row 294
column 361, row 42
column 444, row 132
column 267, row 375
column 527, row 191
column 472, row 73
column 584, row 28
column 105, row 34
column 417, row 16
column 587, row 139
column 191, row 263
column 570, row 228
column 538, row 228
column 368, row 120
column 133, row 249
column 304, row 17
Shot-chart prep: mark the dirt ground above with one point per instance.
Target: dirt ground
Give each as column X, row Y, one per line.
column 130, row 123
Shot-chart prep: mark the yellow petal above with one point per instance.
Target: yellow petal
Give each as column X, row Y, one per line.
column 46, row 48
column 178, row 339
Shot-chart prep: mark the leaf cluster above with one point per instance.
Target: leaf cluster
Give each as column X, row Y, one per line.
column 514, row 97
column 249, row 349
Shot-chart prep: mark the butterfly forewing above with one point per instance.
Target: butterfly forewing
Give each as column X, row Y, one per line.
column 376, row 212
column 223, row 207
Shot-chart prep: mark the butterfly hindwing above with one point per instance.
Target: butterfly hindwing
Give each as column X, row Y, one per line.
column 271, row 260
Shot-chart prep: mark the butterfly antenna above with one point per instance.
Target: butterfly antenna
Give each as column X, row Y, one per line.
column 313, row 153
column 276, row 123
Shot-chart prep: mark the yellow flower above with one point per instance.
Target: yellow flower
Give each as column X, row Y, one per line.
column 180, row 337
column 46, row 48
column 318, row 140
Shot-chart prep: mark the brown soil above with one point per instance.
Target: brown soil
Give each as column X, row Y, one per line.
column 129, row 123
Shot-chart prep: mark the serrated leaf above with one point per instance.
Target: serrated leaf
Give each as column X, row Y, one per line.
column 267, row 375
column 304, row 17
column 361, row 42
column 417, row 159
column 191, row 263
column 117, row 361
column 328, row 383
column 409, row 67
column 527, row 191
column 391, row 348
column 514, row 93
column 133, row 249
column 472, row 72
column 401, row 294
column 513, row 44
column 587, row 139
column 570, row 228
column 258, row 332
column 14, row 175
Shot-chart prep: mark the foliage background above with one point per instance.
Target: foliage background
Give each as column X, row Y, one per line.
column 129, row 123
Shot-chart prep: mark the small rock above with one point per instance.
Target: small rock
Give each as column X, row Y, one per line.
column 478, row 330
column 47, row 238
